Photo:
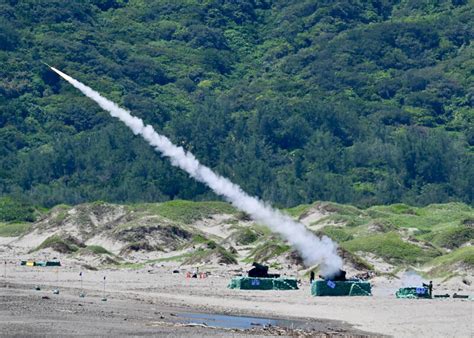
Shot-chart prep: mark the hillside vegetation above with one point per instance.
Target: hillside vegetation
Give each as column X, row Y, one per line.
column 436, row 240
column 361, row 102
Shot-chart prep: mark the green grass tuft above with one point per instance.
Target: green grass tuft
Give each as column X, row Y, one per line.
column 97, row 249
column 186, row 211
column 337, row 234
column 202, row 255
column 392, row 248
column 266, row 251
column 298, row 210
column 62, row 245
column 12, row 210
column 462, row 255
column 200, row 239
column 450, row 238
column 246, row 236
column 14, row 229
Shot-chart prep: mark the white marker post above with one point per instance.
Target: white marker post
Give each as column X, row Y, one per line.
column 103, row 295
column 37, row 277
column 5, row 273
column 56, row 290
column 81, row 294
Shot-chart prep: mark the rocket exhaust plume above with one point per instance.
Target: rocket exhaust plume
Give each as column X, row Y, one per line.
column 313, row 250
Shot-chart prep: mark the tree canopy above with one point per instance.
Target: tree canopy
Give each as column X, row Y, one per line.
column 362, row 102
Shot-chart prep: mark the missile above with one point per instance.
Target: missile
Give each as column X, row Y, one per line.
column 44, row 63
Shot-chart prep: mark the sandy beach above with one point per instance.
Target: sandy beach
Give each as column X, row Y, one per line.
column 142, row 301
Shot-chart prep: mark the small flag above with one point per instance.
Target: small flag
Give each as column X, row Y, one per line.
column 331, row 284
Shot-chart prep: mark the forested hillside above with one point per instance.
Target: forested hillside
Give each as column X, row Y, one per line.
column 363, row 102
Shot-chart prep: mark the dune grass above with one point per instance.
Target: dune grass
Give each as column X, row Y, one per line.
column 204, row 254
column 246, row 236
column 450, row 238
column 268, row 250
column 381, row 230
column 429, row 217
column 298, row 210
column 392, row 248
column 14, row 229
column 97, row 249
column 337, row 234
column 186, row 211
column 453, row 263
column 462, row 255
column 58, row 243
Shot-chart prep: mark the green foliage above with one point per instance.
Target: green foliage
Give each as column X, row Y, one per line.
column 60, row 244
column 298, row 210
column 268, row 250
column 246, row 236
column 14, row 211
column 357, row 261
column 444, row 226
column 9, row 37
column 427, row 218
column 199, row 239
column 357, row 102
column 459, row 258
column 13, row 229
column 211, row 244
column 205, row 255
column 452, row 238
column 186, row 211
column 391, row 247
column 465, row 255
column 337, row 234
column 97, row 249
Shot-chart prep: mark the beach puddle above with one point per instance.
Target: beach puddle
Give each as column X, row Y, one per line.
column 236, row 322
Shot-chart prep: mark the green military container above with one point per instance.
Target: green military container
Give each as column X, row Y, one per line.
column 413, row 292
column 340, row 288
column 40, row 263
column 257, row 283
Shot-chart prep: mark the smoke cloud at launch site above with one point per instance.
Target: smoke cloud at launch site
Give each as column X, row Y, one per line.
column 313, row 250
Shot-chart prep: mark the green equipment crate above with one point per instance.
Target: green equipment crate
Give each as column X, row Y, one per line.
column 413, row 293
column 340, row 288
column 41, row 263
column 254, row 283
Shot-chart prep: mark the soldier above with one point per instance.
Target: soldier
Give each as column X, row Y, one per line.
column 311, row 277
column 430, row 288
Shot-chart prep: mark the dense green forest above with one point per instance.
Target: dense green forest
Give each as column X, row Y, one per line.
column 363, row 102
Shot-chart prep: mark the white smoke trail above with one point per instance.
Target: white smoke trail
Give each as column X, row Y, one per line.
column 313, row 250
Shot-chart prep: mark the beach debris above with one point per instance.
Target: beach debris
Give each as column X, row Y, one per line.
column 197, row 325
